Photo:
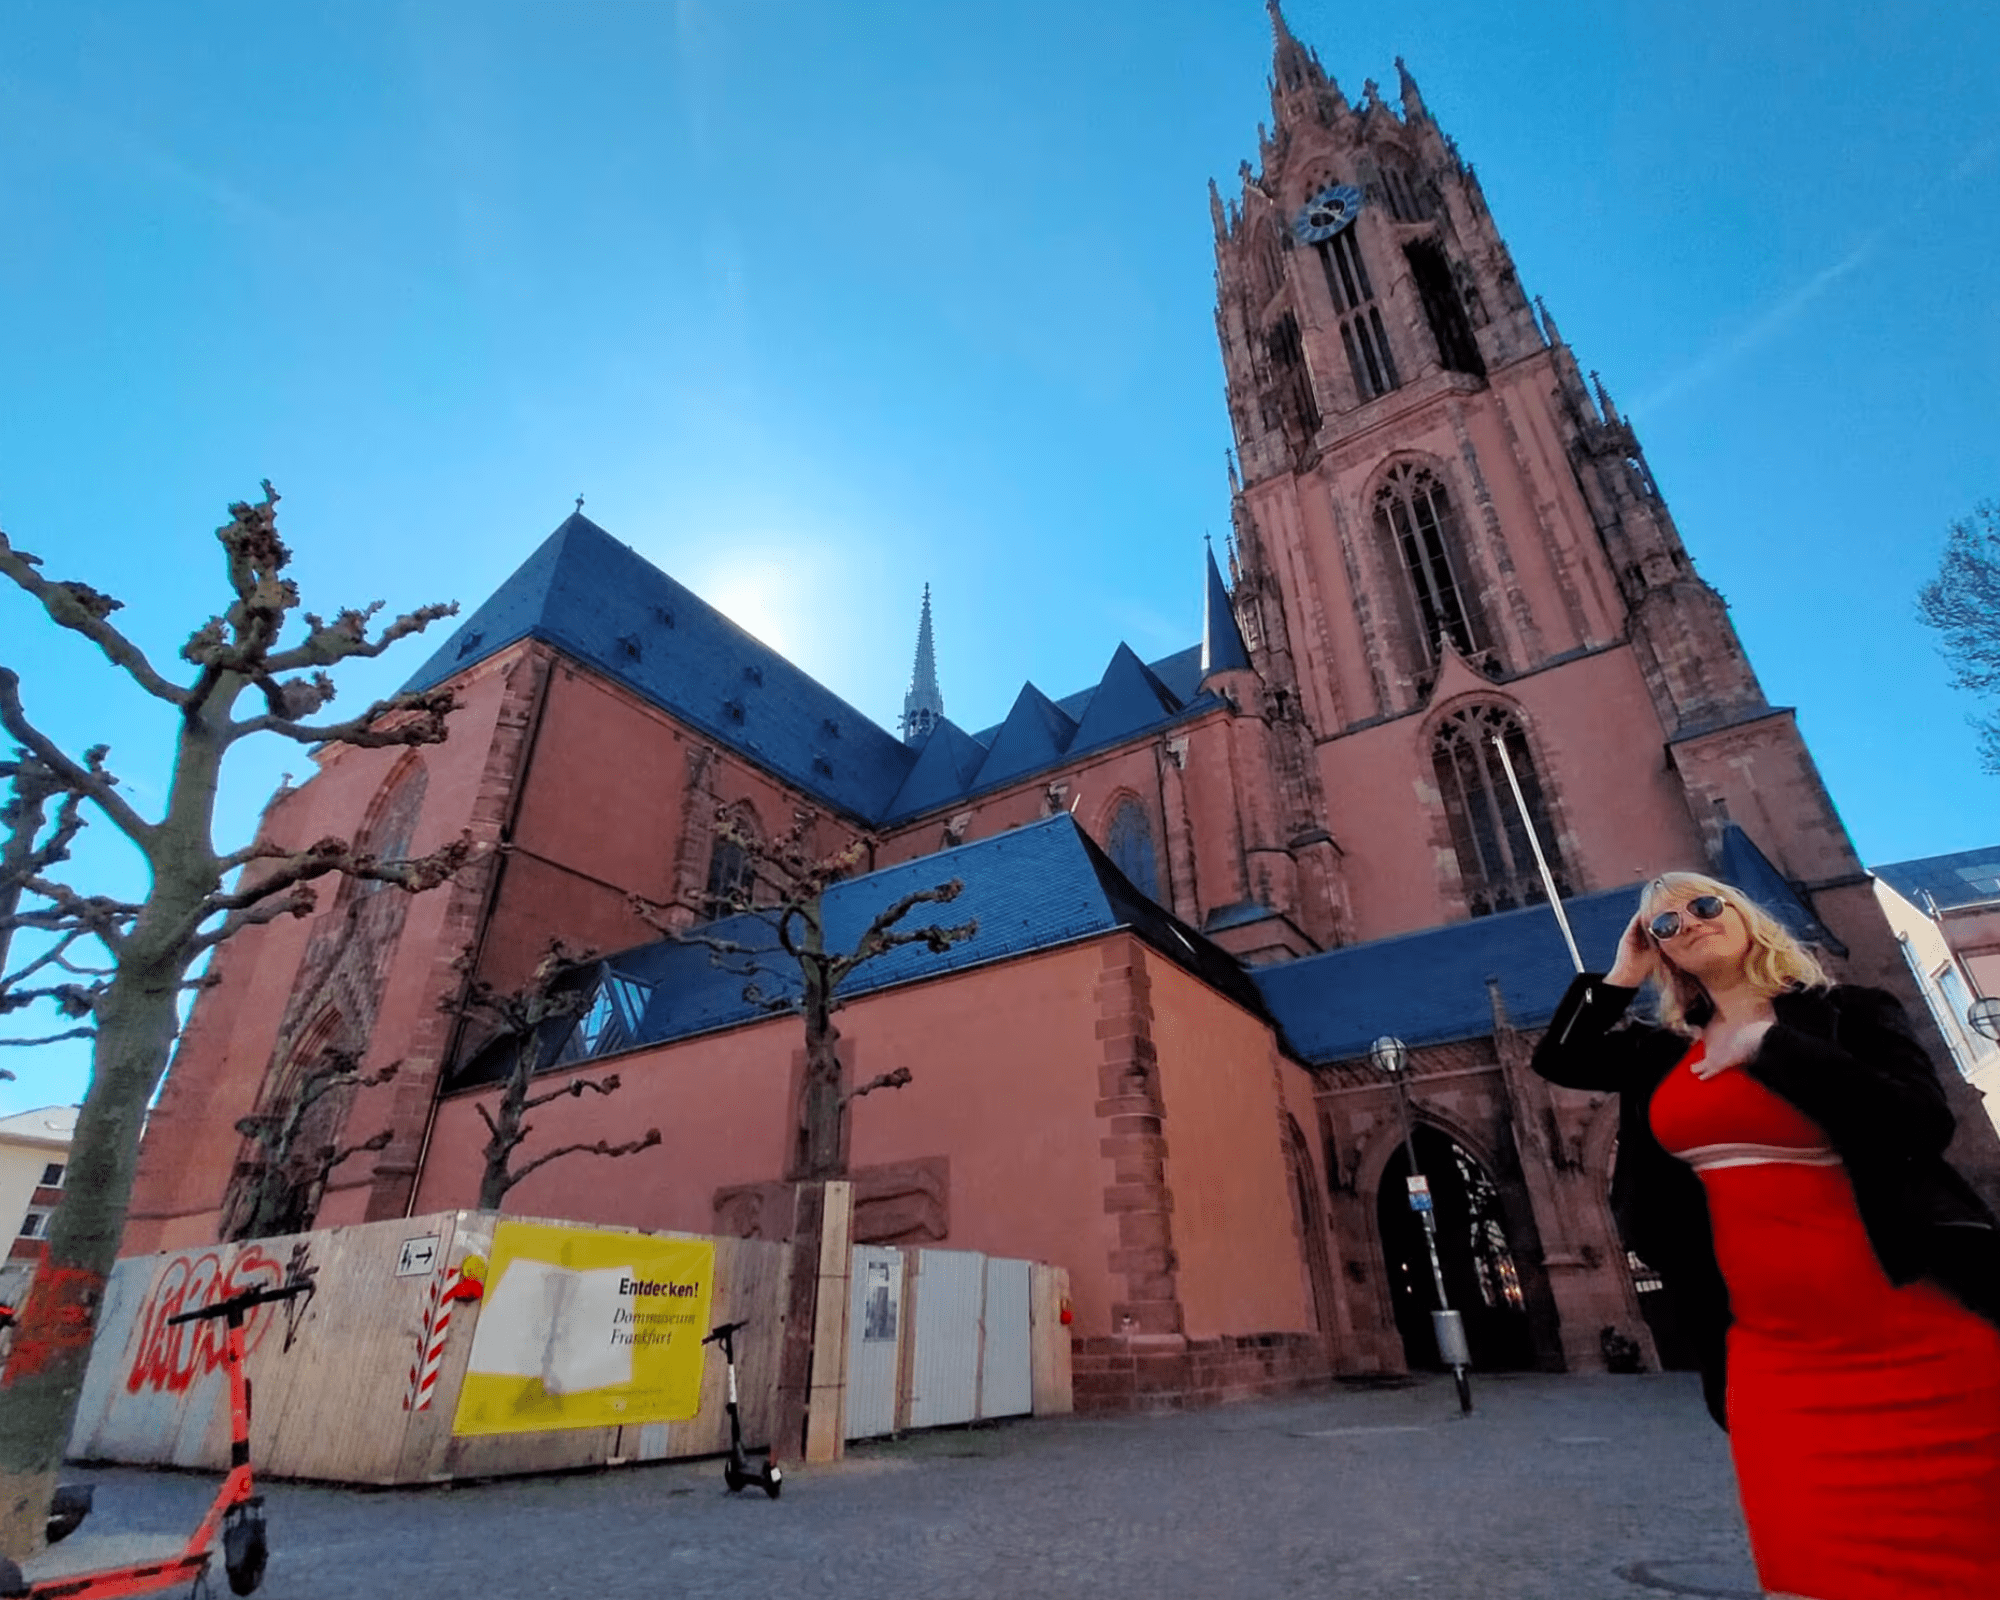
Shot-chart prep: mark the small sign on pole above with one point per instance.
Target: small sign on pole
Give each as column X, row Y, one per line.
column 1420, row 1192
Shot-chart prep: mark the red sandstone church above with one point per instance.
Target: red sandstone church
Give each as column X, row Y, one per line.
column 1203, row 884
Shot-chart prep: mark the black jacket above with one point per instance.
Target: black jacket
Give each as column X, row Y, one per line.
column 1845, row 1057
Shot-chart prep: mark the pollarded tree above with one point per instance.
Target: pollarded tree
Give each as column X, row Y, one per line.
column 526, row 1021
column 1963, row 603
column 296, row 1150
column 116, row 969
column 783, row 883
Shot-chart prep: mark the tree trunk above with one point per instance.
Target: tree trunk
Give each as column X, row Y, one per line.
column 137, row 1020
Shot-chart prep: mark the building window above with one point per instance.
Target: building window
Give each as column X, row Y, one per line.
column 1958, row 1002
column 1413, row 513
column 35, row 1225
column 1496, row 863
column 52, row 1175
column 1292, row 377
column 1130, row 846
column 1458, row 350
column 1362, row 334
column 610, row 1021
column 730, row 876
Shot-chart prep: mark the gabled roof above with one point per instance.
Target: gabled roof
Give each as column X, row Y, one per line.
column 947, row 762
column 593, row 598
column 1030, row 889
column 606, row 606
column 1430, row 987
column 1963, row 878
column 1740, row 862
column 1128, row 700
column 1035, row 735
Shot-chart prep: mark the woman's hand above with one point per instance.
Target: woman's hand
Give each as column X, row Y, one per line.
column 1730, row 1044
column 1636, row 959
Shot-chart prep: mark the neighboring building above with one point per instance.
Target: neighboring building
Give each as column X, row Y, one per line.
column 1203, row 884
column 34, row 1153
column 1946, row 913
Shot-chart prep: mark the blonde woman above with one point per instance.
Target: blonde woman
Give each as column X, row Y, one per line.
column 1781, row 1164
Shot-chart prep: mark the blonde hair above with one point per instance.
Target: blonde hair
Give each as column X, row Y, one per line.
column 1774, row 962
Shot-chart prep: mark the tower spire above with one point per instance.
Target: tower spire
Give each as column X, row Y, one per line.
column 923, row 706
column 1293, row 66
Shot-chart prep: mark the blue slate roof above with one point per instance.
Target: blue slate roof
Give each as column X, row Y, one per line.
column 1740, row 862
column 605, row 605
column 1430, row 987
column 1030, row 889
column 1963, row 878
column 1129, row 699
column 1222, row 648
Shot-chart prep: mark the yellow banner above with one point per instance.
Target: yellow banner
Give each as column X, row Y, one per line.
column 582, row 1328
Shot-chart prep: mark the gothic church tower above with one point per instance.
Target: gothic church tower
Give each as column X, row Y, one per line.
column 1444, row 538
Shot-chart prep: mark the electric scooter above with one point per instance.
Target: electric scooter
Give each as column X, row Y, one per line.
column 238, row 1510
column 737, row 1471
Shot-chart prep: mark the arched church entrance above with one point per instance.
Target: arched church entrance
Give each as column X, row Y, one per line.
column 1473, row 1250
column 1676, row 1349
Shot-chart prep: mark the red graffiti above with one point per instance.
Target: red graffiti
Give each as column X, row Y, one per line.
column 173, row 1356
column 56, row 1321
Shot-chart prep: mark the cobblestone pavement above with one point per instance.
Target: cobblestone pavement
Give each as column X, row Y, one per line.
column 1557, row 1488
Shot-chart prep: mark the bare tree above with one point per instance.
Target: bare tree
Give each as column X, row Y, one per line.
column 523, row 1018
column 117, row 968
column 1963, row 603
column 784, row 886
column 294, row 1155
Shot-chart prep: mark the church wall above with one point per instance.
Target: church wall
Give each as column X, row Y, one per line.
column 1235, row 1233
column 1620, row 811
column 191, row 1146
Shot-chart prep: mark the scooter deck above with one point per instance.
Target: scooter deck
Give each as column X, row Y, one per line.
column 105, row 1566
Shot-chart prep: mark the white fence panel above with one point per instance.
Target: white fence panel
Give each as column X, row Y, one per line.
column 1006, row 1379
column 874, row 1340
column 944, row 1385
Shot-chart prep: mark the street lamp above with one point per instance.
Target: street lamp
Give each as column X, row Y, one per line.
column 1392, row 1059
column 1985, row 1016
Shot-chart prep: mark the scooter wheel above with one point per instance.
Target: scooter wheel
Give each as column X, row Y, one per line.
column 733, row 1478
column 245, row 1550
column 773, row 1479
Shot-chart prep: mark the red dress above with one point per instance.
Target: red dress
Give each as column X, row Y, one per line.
column 1864, row 1419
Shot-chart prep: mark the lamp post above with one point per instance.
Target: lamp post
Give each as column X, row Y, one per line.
column 1392, row 1059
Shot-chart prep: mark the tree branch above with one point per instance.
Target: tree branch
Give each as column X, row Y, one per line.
column 54, row 1038
column 411, row 719
column 898, row 1079
column 90, row 780
column 603, row 1147
column 574, row 1090
column 82, row 609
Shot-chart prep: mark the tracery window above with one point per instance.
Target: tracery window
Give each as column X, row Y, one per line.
column 731, row 874
column 1293, row 378
column 1496, row 862
column 387, row 834
column 1444, row 310
column 1413, row 513
column 1362, row 333
column 1129, row 843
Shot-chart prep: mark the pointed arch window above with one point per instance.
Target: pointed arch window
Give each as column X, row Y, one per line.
column 1496, row 863
column 1362, row 333
column 730, row 877
column 1294, row 378
column 1129, row 843
column 1413, row 514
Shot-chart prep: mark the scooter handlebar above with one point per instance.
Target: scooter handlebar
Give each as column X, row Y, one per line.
column 244, row 1301
column 724, row 1331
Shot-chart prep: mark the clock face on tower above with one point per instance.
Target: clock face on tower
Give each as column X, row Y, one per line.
column 1326, row 213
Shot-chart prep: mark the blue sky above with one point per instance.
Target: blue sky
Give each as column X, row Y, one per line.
column 816, row 302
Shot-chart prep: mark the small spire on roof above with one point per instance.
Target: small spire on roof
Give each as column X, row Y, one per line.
column 579, row 504
column 923, row 706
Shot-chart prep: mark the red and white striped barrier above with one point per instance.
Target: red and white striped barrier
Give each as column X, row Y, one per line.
column 448, row 1286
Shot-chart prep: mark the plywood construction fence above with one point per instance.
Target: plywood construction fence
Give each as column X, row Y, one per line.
column 366, row 1387
column 581, row 1349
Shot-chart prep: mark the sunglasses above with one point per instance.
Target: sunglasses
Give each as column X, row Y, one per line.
column 1703, row 908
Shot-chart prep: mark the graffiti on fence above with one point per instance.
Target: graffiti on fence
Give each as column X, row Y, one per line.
column 171, row 1356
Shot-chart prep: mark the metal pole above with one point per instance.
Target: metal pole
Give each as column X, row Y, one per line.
column 1541, row 861
column 1444, row 1310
